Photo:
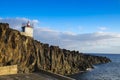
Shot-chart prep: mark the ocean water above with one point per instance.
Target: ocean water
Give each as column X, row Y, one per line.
column 109, row 71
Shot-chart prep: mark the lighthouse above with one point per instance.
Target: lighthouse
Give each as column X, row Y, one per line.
column 27, row 29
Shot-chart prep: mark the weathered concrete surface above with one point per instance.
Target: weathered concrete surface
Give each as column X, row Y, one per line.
column 31, row 55
column 41, row 75
column 27, row 76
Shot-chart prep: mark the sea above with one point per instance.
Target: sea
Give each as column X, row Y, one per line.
column 109, row 71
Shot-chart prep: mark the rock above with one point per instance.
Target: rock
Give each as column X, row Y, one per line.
column 31, row 55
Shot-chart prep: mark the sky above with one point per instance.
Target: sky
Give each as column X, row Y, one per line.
column 89, row 26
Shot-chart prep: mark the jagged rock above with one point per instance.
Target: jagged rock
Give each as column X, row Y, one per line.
column 31, row 55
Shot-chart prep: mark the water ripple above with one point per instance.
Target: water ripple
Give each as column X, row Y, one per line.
column 109, row 71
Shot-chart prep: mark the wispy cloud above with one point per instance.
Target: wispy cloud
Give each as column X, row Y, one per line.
column 87, row 42
column 90, row 42
column 102, row 28
column 17, row 22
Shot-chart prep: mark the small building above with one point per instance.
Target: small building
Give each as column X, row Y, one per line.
column 27, row 29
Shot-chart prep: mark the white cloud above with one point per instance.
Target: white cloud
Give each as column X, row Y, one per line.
column 89, row 42
column 102, row 28
column 17, row 22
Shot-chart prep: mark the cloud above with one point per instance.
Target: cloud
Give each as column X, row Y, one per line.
column 102, row 28
column 17, row 22
column 88, row 42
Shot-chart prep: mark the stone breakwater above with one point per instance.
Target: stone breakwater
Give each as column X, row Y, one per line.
column 31, row 55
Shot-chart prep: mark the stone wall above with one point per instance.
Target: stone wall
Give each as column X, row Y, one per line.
column 7, row 70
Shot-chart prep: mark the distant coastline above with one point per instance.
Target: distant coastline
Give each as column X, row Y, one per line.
column 100, row 53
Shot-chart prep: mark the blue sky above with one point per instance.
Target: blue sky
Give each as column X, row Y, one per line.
column 88, row 14
column 73, row 17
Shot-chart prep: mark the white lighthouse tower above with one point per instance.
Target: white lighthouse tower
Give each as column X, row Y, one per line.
column 27, row 29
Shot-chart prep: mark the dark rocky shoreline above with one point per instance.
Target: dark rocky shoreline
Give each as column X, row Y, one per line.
column 31, row 55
